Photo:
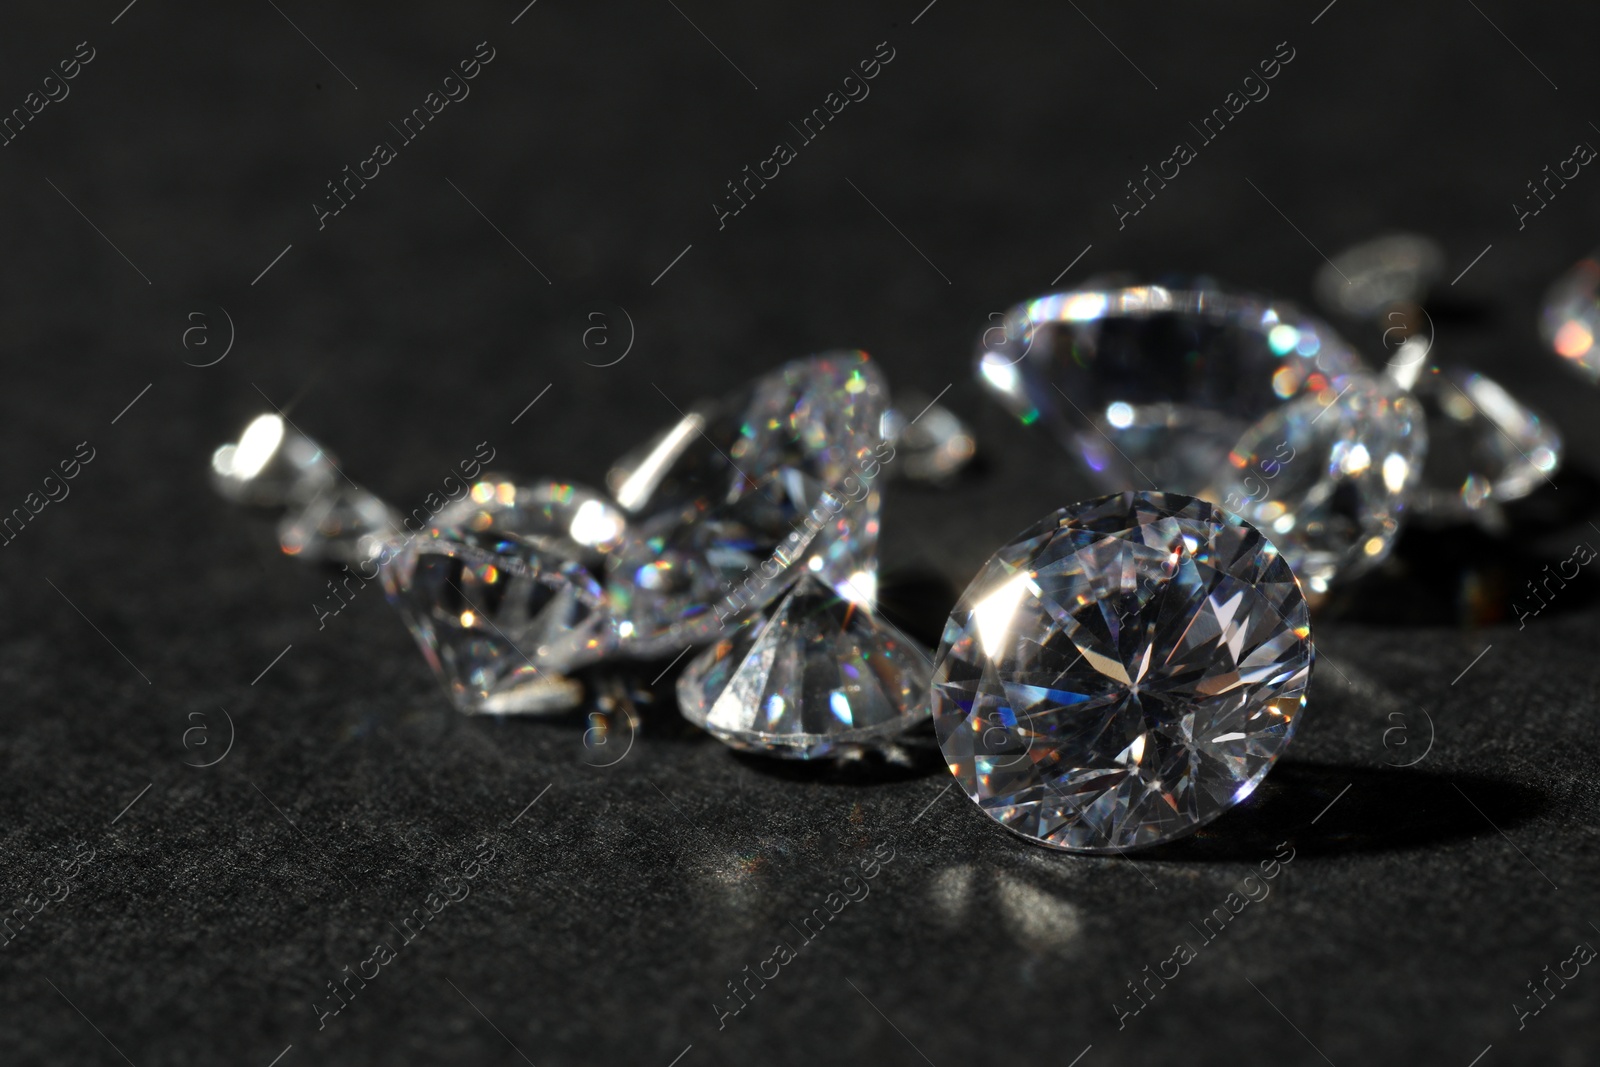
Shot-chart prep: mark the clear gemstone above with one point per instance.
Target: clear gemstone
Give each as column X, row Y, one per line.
column 682, row 577
column 273, row 465
column 1366, row 279
column 1570, row 318
column 1487, row 447
column 500, row 592
column 817, row 676
column 341, row 524
column 1327, row 475
column 735, row 498
column 1166, row 388
column 1157, row 383
column 931, row 444
column 1123, row 672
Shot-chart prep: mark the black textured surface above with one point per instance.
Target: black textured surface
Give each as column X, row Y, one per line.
column 612, row 915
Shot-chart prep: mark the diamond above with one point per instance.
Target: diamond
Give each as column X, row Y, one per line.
column 682, row 577
column 1570, row 317
column 500, row 592
column 737, row 496
column 1487, row 447
column 341, row 524
column 817, row 676
column 1123, row 672
column 273, row 465
column 931, row 446
column 1328, row 475
column 1166, row 388
column 1365, row 279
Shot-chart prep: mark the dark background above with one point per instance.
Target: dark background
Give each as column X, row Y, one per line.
column 217, row 908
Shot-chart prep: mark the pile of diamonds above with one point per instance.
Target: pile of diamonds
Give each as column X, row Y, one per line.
column 747, row 529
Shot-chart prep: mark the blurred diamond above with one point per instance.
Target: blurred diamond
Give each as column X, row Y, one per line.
column 1327, row 475
column 1365, row 279
column 273, row 465
column 817, row 676
column 1486, row 447
column 341, row 524
column 1171, row 389
column 931, row 444
column 1570, row 317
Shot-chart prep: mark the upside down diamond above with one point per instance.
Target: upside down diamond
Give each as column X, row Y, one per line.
column 818, row 676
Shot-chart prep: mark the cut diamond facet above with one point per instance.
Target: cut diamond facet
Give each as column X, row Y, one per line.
column 738, row 495
column 500, row 592
column 1122, row 673
column 1169, row 388
column 817, row 676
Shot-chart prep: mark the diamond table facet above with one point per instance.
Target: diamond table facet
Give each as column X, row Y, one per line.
column 1155, row 383
column 1122, row 673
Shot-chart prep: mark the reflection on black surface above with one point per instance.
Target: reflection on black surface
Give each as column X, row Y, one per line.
column 1382, row 810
